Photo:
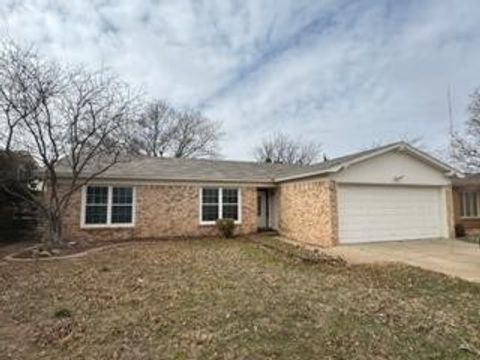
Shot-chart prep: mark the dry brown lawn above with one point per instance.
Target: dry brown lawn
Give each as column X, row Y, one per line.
column 231, row 299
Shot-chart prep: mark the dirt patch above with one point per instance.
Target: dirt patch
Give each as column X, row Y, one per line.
column 298, row 252
column 70, row 249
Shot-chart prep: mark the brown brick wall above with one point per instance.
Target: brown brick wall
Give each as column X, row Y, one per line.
column 162, row 211
column 308, row 212
column 450, row 211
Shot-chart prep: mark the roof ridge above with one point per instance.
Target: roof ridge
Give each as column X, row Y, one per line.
column 250, row 162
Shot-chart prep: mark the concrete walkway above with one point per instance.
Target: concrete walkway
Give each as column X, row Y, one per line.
column 451, row 257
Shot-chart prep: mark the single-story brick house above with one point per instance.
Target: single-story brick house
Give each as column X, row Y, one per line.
column 393, row 192
column 466, row 200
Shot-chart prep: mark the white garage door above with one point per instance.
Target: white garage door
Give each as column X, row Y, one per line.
column 389, row 213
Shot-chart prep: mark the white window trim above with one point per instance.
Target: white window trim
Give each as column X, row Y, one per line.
column 463, row 204
column 109, row 224
column 220, row 204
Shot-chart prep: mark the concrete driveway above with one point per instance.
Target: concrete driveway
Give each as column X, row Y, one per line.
column 451, row 257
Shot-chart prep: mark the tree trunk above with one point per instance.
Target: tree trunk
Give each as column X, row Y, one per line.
column 54, row 235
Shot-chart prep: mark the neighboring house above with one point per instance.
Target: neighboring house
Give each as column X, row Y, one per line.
column 394, row 192
column 466, row 199
column 18, row 218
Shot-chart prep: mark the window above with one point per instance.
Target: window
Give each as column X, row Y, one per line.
column 96, row 205
column 230, row 204
column 122, row 205
column 219, row 203
column 210, row 202
column 108, row 206
column 470, row 204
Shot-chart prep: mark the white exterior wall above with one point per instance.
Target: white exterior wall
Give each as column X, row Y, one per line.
column 393, row 168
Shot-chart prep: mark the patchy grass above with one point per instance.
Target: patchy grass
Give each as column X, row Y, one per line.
column 232, row 299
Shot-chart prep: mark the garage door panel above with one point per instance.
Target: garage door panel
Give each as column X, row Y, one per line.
column 387, row 213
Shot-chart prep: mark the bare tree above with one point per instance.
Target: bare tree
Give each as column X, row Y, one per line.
column 416, row 141
column 71, row 120
column 155, row 129
column 164, row 131
column 280, row 148
column 465, row 145
column 17, row 71
column 194, row 135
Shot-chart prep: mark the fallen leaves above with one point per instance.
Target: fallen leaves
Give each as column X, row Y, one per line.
column 217, row 299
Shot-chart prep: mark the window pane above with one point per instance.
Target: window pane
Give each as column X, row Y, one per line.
column 122, row 214
column 97, row 195
column 209, row 212
column 96, row 214
column 210, row 196
column 230, row 212
column 230, row 196
column 473, row 199
column 469, row 206
column 122, row 195
column 465, row 204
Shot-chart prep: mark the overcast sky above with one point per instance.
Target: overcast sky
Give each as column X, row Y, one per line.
column 344, row 73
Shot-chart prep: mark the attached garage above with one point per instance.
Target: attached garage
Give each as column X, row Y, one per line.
column 391, row 193
column 371, row 213
column 392, row 196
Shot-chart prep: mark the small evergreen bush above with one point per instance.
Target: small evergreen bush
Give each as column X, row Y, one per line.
column 226, row 227
column 62, row 313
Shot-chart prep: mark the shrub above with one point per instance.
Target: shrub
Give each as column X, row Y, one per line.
column 226, row 227
column 459, row 231
column 104, row 269
column 62, row 313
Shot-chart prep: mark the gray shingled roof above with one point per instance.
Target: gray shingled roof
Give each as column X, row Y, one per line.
column 470, row 179
column 148, row 168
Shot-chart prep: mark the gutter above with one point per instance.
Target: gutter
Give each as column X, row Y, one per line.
column 310, row 174
column 262, row 182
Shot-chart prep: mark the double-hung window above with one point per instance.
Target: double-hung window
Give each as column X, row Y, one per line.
column 219, row 203
column 470, row 204
column 108, row 206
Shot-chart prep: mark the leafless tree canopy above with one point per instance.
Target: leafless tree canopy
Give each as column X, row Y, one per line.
column 466, row 144
column 62, row 115
column 282, row 149
column 19, row 69
column 164, row 131
column 416, row 141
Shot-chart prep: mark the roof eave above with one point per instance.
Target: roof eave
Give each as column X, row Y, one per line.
column 310, row 174
column 183, row 180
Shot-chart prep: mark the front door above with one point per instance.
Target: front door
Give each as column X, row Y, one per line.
column 262, row 211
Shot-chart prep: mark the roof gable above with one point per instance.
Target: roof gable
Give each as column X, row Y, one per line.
column 337, row 164
column 393, row 167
